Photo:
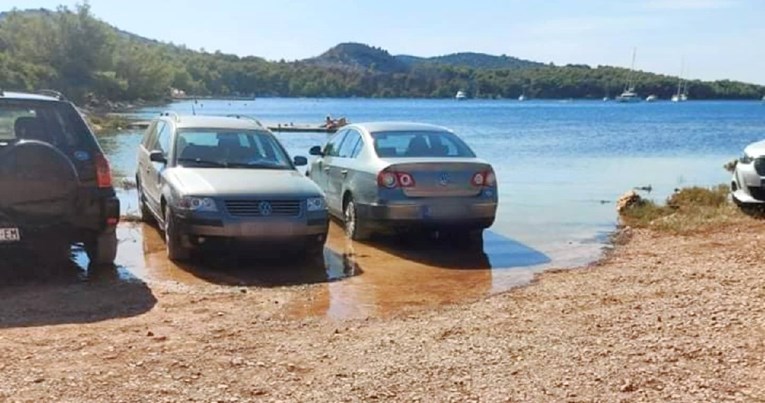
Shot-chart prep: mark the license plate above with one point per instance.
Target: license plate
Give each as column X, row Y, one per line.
column 10, row 235
column 444, row 211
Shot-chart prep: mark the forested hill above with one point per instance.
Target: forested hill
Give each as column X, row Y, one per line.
column 88, row 59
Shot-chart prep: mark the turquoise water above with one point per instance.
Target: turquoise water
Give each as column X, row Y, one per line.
column 560, row 164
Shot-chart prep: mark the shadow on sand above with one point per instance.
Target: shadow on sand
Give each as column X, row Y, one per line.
column 494, row 251
column 36, row 294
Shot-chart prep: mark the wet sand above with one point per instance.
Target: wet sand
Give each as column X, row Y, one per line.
column 664, row 318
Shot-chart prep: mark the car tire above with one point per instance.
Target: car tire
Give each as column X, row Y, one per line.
column 102, row 249
column 143, row 208
column 355, row 228
column 176, row 251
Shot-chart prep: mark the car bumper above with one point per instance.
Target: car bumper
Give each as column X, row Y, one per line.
column 471, row 213
column 254, row 229
column 748, row 186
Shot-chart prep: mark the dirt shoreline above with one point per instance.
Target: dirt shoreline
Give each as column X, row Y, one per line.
column 661, row 318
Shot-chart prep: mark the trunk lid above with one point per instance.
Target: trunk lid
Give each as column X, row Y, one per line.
column 439, row 177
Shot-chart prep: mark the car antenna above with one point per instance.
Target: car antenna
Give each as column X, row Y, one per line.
column 193, row 110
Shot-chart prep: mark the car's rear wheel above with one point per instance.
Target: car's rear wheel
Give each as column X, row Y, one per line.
column 102, row 249
column 175, row 248
column 355, row 227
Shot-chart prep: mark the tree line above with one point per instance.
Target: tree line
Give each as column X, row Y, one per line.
column 72, row 51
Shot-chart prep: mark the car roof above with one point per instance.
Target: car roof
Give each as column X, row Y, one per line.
column 399, row 126
column 27, row 96
column 215, row 122
column 756, row 149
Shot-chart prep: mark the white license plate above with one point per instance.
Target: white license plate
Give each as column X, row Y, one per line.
column 444, row 211
column 10, row 235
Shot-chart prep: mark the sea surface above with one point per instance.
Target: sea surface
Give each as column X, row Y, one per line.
column 560, row 164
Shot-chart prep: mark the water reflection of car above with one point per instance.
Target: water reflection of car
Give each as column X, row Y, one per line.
column 380, row 176
column 748, row 175
column 225, row 180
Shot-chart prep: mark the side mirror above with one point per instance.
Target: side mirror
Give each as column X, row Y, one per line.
column 300, row 161
column 157, row 156
column 316, row 150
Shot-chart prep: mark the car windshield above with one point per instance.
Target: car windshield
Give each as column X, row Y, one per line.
column 412, row 144
column 209, row 148
column 56, row 123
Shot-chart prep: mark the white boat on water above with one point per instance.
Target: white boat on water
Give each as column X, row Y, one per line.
column 630, row 95
column 652, row 98
column 522, row 97
column 461, row 96
column 682, row 86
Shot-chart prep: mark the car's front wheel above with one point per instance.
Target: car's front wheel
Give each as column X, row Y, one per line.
column 174, row 242
column 355, row 227
column 146, row 215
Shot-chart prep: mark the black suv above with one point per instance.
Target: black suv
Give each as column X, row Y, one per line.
column 55, row 182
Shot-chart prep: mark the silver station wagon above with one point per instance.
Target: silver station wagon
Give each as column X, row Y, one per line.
column 208, row 179
column 386, row 175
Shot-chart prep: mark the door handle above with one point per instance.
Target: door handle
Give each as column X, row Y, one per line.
column 344, row 172
column 326, row 169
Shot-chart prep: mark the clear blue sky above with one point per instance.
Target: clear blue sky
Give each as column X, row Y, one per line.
column 718, row 38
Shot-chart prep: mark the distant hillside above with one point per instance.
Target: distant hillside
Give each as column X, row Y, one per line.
column 92, row 62
column 359, row 56
column 473, row 60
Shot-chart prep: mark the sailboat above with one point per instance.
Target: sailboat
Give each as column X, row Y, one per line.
column 629, row 95
column 522, row 97
column 682, row 86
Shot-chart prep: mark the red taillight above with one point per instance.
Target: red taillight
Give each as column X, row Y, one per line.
column 387, row 180
column 103, row 171
column 484, row 178
column 405, row 180
column 392, row 180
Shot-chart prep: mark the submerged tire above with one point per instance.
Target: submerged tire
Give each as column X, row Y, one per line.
column 38, row 184
column 143, row 208
column 175, row 249
column 102, row 249
column 355, row 227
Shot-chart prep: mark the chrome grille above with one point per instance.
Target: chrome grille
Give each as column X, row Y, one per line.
column 258, row 208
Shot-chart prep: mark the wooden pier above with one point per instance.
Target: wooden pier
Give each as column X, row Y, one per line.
column 287, row 128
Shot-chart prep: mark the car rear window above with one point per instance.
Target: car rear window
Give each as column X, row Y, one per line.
column 57, row 123
column 413, row 144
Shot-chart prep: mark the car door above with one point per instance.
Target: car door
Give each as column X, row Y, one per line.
column 320, row 172
column 153, row 183
column 147, row 144
column 342, row 165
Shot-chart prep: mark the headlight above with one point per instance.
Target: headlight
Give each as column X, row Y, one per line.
column 316, row 204
column 197, row 204
column 745, row 159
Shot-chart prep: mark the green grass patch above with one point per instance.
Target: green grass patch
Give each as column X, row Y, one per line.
column 687, row 210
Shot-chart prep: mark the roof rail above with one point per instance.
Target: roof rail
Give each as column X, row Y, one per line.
column 245, row 117
column 52, row 93
column 174, row 114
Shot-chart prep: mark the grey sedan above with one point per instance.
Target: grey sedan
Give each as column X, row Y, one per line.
column 214, row 180
column 404, row 176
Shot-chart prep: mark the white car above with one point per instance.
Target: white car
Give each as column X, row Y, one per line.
column 747, row 184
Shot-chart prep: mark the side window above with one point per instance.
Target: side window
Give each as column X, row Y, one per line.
column 349, row 144
column 163, row 140
column 333, row 145
column 149, row 134
column 151, row 141
column 359, row 146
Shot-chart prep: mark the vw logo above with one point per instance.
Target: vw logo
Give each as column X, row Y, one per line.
column 444, row 179
column 265, row 208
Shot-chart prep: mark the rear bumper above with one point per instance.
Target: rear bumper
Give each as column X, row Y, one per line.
column 474, row 213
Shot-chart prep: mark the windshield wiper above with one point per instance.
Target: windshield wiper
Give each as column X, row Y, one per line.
column 204, row 162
